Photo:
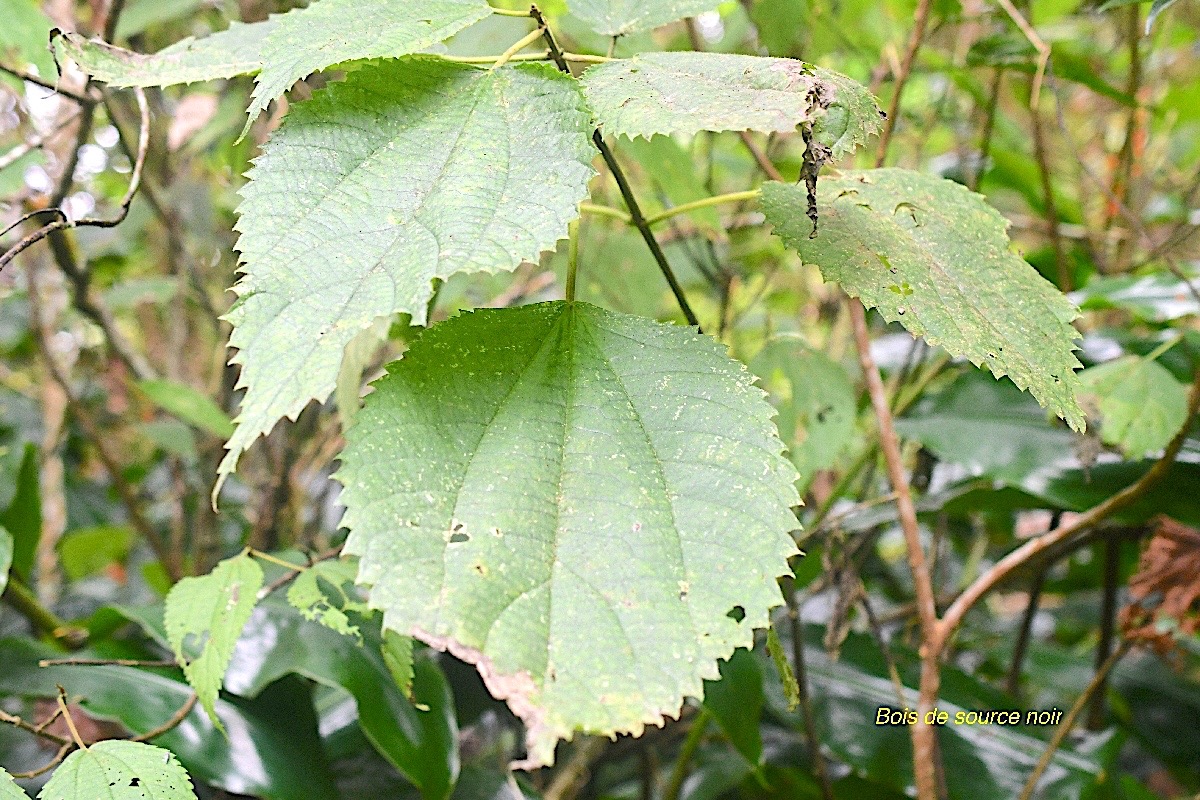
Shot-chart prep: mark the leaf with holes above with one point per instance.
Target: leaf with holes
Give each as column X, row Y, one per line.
column 204, row 617
column 933, row 256
column 623, row 17
column 407, row 171
column 308, row 595
column 119, row 770
column 234, row 51
column 1141, row 404
column 683, row 93
column 590, row 507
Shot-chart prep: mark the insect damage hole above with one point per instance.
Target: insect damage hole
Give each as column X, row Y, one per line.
column 737, row 613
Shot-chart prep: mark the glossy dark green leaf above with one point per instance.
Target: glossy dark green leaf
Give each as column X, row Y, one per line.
column 87, row 551
column 1157, row 297
column 1153, row 699
column 23, row 517
column 736, row 703
column 272, row 750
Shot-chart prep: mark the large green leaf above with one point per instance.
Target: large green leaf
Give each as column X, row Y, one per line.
column 9, row 789
column 815, row 398
column 406, row 172
column 119, row 770
column 684, row 93
column 331, row 31
column 1141, row 404
column 622, row 17
column 204, row 617
column 590, row 507
column 234, row 51
column 934, row 256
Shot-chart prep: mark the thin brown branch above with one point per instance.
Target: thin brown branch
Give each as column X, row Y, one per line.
column 573, row 776
column 920, row 23
column 801, row 675
column 172, row 723
column 103, row 662
column 760, row 157
column 80, row 98
column 29, row 727
column 62, row 753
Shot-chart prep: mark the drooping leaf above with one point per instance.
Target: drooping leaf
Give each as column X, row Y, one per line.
column 88, row 550
column 933, row 256
column 6, row 554
column 332, row 31
column 23, row 517
column 685, row 93
column 188, row 405
column 204, row 617
column 592, row 508
column 1156, row 8
column 9, row 789
column 816, row 402
column 307, row 596
column 236, row 50
column 1141, row 404
column 405, row 172
column 117, row 769
column 623, row 17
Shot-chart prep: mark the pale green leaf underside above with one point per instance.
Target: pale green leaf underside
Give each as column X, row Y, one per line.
column 204, row 617
column 622, row 17
column 116, row 769
column 234, row 51
column 683, row 93
column 407, row 171
column 575, row 501
column 332, row 31
column 9, row 789
column 934, row 256
column 1141, row 404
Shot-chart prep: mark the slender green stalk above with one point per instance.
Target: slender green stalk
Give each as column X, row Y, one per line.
column 1164, row 347
column 25, row 602
column 690, row 746
column 495, row 59
column 572, row 258
column 508, row 12
column 605, row 211
column 281, row 562
column 732, row 197
column 517, row 47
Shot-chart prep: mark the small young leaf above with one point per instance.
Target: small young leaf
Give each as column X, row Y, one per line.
column 623, row 17
column 188, row 405
column 307, row 596
column 685, row 93
column 933, row 256
column 407, row 171
column 9, row 789
column 397, row 652
column 234, row 51
column 791, row 689
column 204, row 617
column 332, row 31
column 590, row 507
column 117, row 769
column 1141, row 404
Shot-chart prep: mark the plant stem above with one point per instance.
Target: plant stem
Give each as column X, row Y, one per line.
column 605, row 211
column 66, row 714
column 495, row 59
column 686, row 753
column 920, row 22
column 274, row 560
column 732, row 197
column 635, row 211
column 25, row 602
column 572, row 258
column 508, row 12
column 517, row 47
column 1164, row 347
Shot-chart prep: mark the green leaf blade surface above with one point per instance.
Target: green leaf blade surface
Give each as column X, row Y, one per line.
column 933, row 256
column 207, row 614
column 406, row 172
column 332, row 31
column 117, row 769
column 684, row 93
column 590, row 507
column 1141, row 404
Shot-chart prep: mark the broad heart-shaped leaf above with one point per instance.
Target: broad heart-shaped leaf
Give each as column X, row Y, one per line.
column 204, row 617
column 119, row 770
column 406, row 171
column 331, row 31
column 590, row 507
column 683, row 93
column 622, row 17
column 234, row 51
column 9, row 789
column 934, row 256
column 816, row 402
column 1141, row 404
